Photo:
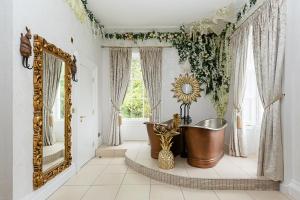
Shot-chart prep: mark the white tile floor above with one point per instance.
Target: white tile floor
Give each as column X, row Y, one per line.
column 110, row 179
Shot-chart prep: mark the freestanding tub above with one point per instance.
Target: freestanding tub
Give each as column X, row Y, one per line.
column 205, row 142
column 155, row 141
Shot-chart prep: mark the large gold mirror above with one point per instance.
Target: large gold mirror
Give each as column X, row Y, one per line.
column 52, row 111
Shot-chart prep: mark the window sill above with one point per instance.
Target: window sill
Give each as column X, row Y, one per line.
column 134, row 121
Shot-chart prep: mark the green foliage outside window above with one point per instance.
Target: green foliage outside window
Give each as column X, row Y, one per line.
column 136, row 103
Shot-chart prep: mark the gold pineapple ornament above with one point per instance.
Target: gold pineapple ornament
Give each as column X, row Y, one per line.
column 166, row 133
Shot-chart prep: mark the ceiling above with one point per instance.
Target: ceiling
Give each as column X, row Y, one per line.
column 154, row 14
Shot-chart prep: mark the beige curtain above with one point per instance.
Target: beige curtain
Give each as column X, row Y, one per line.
column 51, row 76
column 269, row 49
column 239, row 46
column 151, row 61
column 120, row 62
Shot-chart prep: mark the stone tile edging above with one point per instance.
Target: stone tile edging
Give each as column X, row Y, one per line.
column 202, row 183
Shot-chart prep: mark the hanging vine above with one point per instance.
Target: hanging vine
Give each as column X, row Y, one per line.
column 97, row 27
column 208, row 54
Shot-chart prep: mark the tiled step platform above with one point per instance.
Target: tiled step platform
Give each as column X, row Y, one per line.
column 230, row 173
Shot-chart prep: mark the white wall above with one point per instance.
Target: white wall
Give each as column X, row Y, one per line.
column 55, row 21
column 291, row 106
column 6, row 128
column 170, row 70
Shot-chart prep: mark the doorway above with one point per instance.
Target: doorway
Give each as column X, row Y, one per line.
column 87, row 106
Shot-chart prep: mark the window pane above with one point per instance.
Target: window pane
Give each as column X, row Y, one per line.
column 252, row 107
column 136, row 104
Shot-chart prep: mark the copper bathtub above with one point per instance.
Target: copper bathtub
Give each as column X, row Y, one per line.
column 155, row 141
column 205, row 142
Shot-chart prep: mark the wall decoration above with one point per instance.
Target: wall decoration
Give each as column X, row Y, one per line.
column 74, row 69
column 208, row 55
column 214, row 24
column 222, row 16
column 26, row 48
column 78, row 8
column 186, row 89
column 161, row 36
column 209, row 58
column 97, row 27
column 41, row 173
column 82, row 12
column 211, row 63
column 207, row 50
column 245, row 9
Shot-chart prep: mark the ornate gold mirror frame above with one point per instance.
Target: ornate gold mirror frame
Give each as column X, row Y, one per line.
column 194, row 87
column 40, row 177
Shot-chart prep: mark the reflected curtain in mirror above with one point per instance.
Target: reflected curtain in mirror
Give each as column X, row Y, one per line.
column 51, row 72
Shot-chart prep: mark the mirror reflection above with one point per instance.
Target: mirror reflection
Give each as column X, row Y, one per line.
column 53, row 111
column 187, row 88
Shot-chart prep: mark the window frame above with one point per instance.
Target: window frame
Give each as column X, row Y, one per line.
column 136, row 120
column 258, row 105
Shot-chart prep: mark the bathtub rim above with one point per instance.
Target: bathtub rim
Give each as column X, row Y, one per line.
column 206, row 127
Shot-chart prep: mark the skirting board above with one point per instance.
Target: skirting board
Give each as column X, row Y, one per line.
column 45, row 191
column 292, row 189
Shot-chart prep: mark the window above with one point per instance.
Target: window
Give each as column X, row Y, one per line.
column 59, row 105
column 136, row 104
column 252, row 106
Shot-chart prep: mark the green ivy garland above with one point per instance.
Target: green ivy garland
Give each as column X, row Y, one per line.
column 245, row 9
column 208, row 56
column 92, row 17
column 143, row 36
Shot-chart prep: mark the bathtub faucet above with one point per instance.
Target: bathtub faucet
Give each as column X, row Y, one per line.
column 185, row 113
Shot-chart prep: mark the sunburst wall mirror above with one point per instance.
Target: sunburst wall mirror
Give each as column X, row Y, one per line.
column 186, row 89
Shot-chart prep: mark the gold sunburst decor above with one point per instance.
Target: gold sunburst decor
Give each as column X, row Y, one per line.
column 186, row 88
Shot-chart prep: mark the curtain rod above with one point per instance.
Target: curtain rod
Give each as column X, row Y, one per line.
column 108, row 46
column 252, row 12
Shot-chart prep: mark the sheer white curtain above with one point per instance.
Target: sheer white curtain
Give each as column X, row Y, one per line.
column 51, row 75
column 239, row 46
column 269, row 48
column 151, row 62
column 120, row 62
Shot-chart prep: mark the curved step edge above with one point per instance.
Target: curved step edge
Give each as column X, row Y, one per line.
column 202, row 183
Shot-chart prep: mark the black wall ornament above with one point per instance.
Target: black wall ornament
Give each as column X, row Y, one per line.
column 26, row 48
column 74, row 69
